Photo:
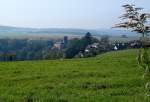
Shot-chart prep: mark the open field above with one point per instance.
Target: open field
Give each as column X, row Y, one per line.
column 111, row 77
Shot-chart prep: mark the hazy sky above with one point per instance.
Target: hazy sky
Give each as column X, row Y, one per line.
column 64, row 13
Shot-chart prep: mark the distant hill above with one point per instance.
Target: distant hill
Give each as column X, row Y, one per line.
column 8, row 31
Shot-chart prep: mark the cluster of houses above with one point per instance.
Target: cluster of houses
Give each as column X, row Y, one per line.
column 116, row 46
column 131, row 44
column 92, row 46
column 61, row 44
column 97, row 48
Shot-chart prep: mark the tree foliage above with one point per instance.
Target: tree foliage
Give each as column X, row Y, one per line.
column 136, row 21
column 77, row 45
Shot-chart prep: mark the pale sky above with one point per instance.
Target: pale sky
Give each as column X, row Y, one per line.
column 64, row 13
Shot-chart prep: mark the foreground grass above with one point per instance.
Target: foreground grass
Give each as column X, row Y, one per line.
column 111, row 77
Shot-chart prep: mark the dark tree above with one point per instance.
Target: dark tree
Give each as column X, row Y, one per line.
column 88, row 38
column 76, row 46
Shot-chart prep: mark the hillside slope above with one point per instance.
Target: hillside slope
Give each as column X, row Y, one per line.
column 111, row 77
column 9, row 31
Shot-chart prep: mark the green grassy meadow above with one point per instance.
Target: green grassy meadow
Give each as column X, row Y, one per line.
column 110, row 77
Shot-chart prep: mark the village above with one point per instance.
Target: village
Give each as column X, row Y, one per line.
column 99, row 46
column 86, row 46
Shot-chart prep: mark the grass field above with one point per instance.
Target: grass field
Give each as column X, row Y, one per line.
column 111, row 77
